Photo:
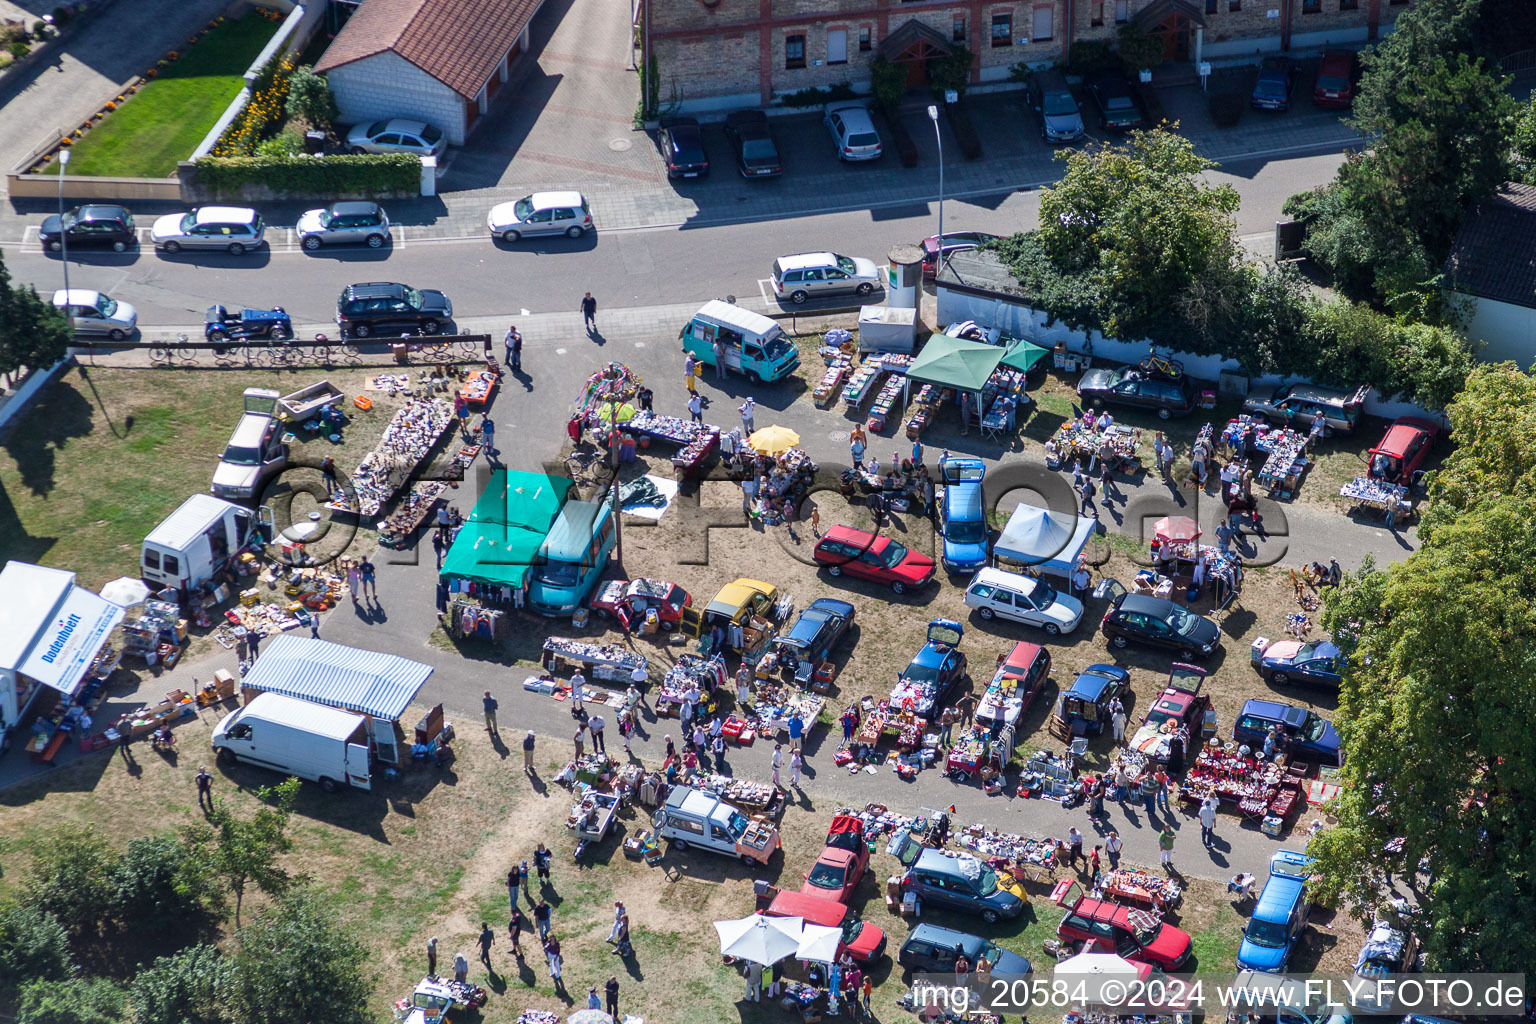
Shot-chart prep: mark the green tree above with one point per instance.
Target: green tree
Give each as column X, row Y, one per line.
column 295, row 962
column 1139, row 51
column 310, row 97
column 71, row 1001
column 33, row 947
column 32, row 333
column 1523, row 163
column 888, row 82
column 1493, row 424
column 245, row 851
column 185, row 988
column 160, row 882
column 952, row 72
column 71, row 876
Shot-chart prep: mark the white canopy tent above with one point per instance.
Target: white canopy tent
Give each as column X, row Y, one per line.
column 818, row 943
column 1041, row 539
column 759, row 938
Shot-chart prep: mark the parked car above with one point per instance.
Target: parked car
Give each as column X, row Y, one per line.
column 346, row 223
column 840, row 868
column 1272, row 88
column 1291, row 661
column 954, row 241
column 542, row 213
column 1018, row 681
column 808, row 274
column 232, row 228
column 397, row 135
column 853, row 130
column 931, row 948
column 382, row 306
column 221, row 324
column 1055, row 107
column 89, row 226
column 1389, row 950
column 933, row 672
column 1311, row 736
column 1400, row 455
column 629, row 600
column 963, row 521
column 1181, row 704
column 1027, row 599
column 1337, row 76
column 1084, row 707
column 255, row 451
column 817, row 632
column 1118, row 109
column 862, row 940
column 872, row 557
column 92, row 312
column 1099, row 926
column 960, row 883
column 1134, row 387
column 1155, row 622
column 756, row 155
column 682, row 146
column 1296, row 404
column 1279, row 915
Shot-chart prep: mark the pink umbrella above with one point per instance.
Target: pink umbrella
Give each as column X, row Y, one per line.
column 1175, row 528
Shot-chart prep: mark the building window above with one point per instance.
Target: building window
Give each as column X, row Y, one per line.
column 1314, row 6
column 837, row 46
column 1349, row 5
column 1002, row 29
column 1234, row 5
column 1042, row 29
column 1096, row 14
column 1122, row 12
column 1210, row 6
column 866, row 39
column 794, row 51
column 957, row 33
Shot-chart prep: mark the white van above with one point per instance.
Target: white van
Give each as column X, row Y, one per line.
column 1026, row 599
column 693, row 817
column 194, row 542
column 295, row 737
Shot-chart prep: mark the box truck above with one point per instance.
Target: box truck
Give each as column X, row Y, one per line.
column 295, row 737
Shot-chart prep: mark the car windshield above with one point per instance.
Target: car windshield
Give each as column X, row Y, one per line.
column 1120, row 103
column 1184, row 623
column 326, row 217
column 921, row 675
column 776, row 348
column 991, row 953
column 1045, row 595
column 966, row 533
column 70, row 219
column 106, row 306
column 1313, row 727
column 1144, row 926
column 845, row 265
column 758, row 149
column 413, row 297
column 892, row 555
column 1060, row 104
column 863, row 139
column 431, row 135
column 523, row 208
column 1308, row 651
column 827, row 876
column 851, row 929
column 963, row 472
column 1269, row 934
column 377, row 128
column 188, row 223
column 236, row 456
column 1271, row 87
column 560, row 574
column 1157, row 716
column 1331, row 83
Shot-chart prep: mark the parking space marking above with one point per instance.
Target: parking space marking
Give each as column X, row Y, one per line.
column 399, row 242
column 762, row 288
column 639, row 344
column 560, row 351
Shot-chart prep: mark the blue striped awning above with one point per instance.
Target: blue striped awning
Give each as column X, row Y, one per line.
column 375, row 684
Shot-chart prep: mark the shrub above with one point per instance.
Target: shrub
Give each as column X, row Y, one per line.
column 888, row 81
column 19, row 49
column 70, row 876
column 952, row 72
column 62, row 16
column 39, row 29
column 1138, row 50
column 341, row 176
column 289, row 143
column 309, row 97
column 183, row 988
column 73, row 1001
column 1227, row 107
column 158, row 883
column 906, row 149
column 813, row 96
column 263, row 113
column 1089, row 55
column 33, row 946
column 965, row 131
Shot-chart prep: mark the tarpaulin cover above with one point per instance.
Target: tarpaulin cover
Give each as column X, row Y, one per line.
column 502, row 538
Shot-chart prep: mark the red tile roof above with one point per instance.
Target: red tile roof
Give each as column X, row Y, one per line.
column 458, row 42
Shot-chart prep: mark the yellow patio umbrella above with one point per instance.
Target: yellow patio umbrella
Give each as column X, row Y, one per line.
column 774, row 440
column 606, row 413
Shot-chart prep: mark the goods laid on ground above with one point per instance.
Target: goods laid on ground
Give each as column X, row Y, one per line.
column 476, row 387
column 667, row 428
column 1142, row 889
column 410, row 435
column 1259, row 789
column 607, row 662
column 390, row 383
column 396, row 529
column 1077, row 441
column 861, row 384
column 922, row 407
column 885, row 402
column 830, row 386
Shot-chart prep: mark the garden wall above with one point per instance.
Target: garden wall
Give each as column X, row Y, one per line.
column 297, row 29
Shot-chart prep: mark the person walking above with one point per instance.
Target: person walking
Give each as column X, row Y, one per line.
column 491, row 704
column 589, row 311
column 695, row 407
column 1087, row 492
column 369, row 574
column 1149, row 794
column 690, row 371
column 639, row 681
column 204, row 788
column 515, row 928
column 461, row 412
column 541, row 918
column 314, row 626
column 1093, row 865
column 795, row 762
column 1164, row 784
column 552, row 956
column 541, row 859
column 596, row 725
column 748, row 410
column 528, row 754
column 611, row 998
column 946, row 727
column 514, row 343
column 618, row 915
column 1074, row 846
column 815, row 521
column 1113, row 844
column 432, row 957
column 487, row 939
column 856, row 447
column 1165, row 845
column 1208, row 819
column 125, row 730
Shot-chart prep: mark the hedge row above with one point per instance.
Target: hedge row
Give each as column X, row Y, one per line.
column 361, row 176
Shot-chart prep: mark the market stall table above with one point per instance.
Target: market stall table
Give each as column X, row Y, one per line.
column 862, row 383
column 611, row 663
column 829, row 388
column 477, row 387
column 885, row 402
column 410, row 435
column 923, row 406
column 1377, row 495
column 689, row 460
column 1142, row 889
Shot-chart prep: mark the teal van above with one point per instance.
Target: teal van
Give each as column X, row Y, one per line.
column 754, row 345
column 572, row 559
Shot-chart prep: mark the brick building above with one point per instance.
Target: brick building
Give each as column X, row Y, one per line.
column 718, row 54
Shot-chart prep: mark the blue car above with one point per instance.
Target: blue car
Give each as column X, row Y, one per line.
column 932, row 672
column 821, row 626
column 964, row 524
column 1291, row 661
column 1085, row 705
column 1279, row 915
column 1311, row 737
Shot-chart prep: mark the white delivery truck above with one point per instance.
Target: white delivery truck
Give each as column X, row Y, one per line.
column 694, row 817
column 194, row 542
column 295, row 737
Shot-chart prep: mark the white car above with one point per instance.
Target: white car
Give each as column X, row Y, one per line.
column 233, row 228
column 853, row 130
column 1027, row 599
column 92, row 312
column 543, row 213
column 397, row 135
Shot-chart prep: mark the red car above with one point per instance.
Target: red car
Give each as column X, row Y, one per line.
column 1099, row 926
column 1336, row 78
column 627, row 601
column 841, row 866
column 954, row 241
column 871, row 556
column 1180, row 703
column 1400, row 456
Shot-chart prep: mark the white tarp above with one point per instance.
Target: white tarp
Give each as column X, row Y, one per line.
column 68, row 643
column 1041, row 539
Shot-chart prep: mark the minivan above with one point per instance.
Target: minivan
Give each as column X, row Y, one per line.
column 194, row 542
column 964, row 522
column 1055, row 107
column 755, row 346
column 960, row 882
column 1279, row 915
column 995, row 593
column 861, row 940
column 808, row 274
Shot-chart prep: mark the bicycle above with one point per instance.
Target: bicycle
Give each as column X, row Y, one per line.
column 166, row 353
column 278, row 352
column 328, row 353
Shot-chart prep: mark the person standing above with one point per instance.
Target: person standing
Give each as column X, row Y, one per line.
column 488, row 434
column 1208, row 819
column 487, row 939
column 1164, row 784
column 748, row 412
column 541, row 859
column 204, row 788
column 552, row 955
column 515, row 931
column 695, row 407
column 514, row 342
column 719, row 359
column 778, row 760
column 1113, row 844
column 639, row 681
column 369, row 574
column 690, row 370
column 528, row 754
column 125, row 730
column 795, row 762
column 432, row 957
column 717, row 746
column 580, row 750
column 796, row 730
column 1074, row 846
column 541, row 916
column 514, row 883
column 946, row 727
column 460, row 967
column 522, row 877
column 596, row 725
column 1158, row 447
column 967, row 708
column 589, row 311
column 1149, row 794
column 1093, row 865
column 461, row 411
column 611, row 997
column 856, row 447
column 1165, row 845
column 1117, row 722
column 754, row 982
column 491, row 704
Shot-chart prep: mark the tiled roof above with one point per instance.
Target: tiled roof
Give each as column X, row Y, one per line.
column 1495, row 252
column 457, row 42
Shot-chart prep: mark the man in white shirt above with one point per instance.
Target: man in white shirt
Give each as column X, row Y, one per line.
column 596, row 726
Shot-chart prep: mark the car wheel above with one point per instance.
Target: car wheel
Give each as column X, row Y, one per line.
column 311, row 242
column 172, row 247
column 1163, row 414
column 797, row 297
column 119, row 246
column 360, row 330
column 431, row 327
column 754, row 377
column 511, row 236
column 989, row 916
column 1188, row 654
column 1051, row 629
column 834, row 570
column 327, row 784
column 574, row 232
column 225, row 757
column 748, row 860
column 55, row 246
column 1279, row 678
column 1118, row 640
column 898, row 587
column 358, row 151
column 218, row 335
column 985, row 612
column 116, row 334
column 236, row 249
column 679, row 844
column 865, row 288
column 375, row 241
column 282, row 332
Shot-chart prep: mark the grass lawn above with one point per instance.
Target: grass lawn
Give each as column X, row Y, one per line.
column 168, row 117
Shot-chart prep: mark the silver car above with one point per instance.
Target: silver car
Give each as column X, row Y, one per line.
column 798, row 278
column 344, row 224
column 91, row 312
column 853, row 130
column 232, row 228
column 543, row 213
column 397, row 135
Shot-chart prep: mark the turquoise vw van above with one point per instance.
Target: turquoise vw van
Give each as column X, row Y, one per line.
column 572, row 559
column 754, row 345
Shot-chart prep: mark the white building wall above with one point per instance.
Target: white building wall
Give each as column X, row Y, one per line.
column 388, row 85
column 1502, row 331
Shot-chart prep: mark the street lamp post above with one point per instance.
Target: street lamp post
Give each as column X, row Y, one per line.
column 933, row 115
column 69, row 321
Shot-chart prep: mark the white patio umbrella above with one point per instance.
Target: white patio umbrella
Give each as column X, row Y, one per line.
column 818, row 943
column 126, row 591
column 759, row 938
column 1094, row 970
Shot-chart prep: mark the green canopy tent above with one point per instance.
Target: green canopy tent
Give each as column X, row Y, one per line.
column 502, row 537
column 1023, row 355
column 955, row 363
